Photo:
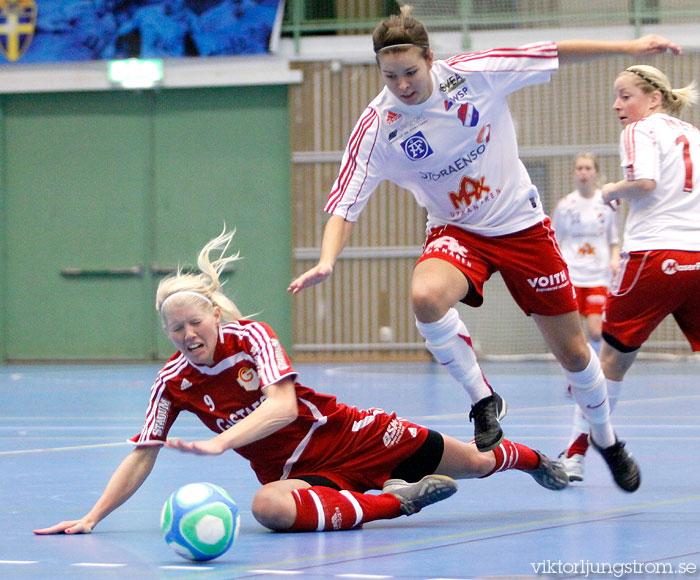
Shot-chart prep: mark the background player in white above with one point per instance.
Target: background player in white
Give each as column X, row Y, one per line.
column 314, row 456
column 443, row 130
column 587, row 233
column 586, row 230
column 660, row 270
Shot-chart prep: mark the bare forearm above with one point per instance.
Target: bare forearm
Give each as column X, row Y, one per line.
column 335, row 237
column 626, row 189
column 584, row 50
column 278, row 410
column 125, row 481
column 267, row 420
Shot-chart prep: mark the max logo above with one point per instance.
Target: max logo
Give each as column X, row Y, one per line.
column 470, row 190
column 586, row 250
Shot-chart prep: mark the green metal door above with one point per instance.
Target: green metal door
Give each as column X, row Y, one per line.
column 222, row 157
column 102, row 194
column 77, row 167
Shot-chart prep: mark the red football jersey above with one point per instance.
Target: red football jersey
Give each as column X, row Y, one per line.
column 356, row 448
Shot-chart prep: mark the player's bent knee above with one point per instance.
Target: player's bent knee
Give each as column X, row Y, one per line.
column 273, row 509
column 427, row 303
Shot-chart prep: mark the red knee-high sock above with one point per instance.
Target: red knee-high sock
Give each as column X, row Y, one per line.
column 579, row 446
column 323, row 508
column 511, row 455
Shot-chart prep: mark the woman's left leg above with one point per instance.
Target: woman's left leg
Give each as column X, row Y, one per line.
column 462, row 460
column 565, row 337
column 295, row 505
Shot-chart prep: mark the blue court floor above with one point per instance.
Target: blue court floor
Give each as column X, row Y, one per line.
column 62, row 433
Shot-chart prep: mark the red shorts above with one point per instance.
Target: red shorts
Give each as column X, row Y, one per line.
column 591, row 300
column 647, row 288
column 357, row 449
column 529, row 261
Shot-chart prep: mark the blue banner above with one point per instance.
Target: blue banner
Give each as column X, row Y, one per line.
column 34, row 31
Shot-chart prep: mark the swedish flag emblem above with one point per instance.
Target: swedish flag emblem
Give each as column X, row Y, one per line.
column 17, row 24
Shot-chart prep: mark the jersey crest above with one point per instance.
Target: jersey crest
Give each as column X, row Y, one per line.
column 248, row 379
column 416, row 147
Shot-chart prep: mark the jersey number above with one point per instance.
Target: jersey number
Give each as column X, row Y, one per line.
column 209, row 402
column 688, row 186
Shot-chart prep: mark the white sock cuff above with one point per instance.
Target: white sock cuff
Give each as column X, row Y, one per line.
column 589, row 377
column 442, row 330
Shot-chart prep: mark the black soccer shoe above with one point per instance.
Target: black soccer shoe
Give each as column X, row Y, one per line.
column 486, row 413
column 624, row 469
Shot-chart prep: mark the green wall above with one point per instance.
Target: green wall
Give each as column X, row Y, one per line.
column 101, row 193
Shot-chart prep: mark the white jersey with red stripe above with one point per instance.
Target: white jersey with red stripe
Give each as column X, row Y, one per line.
column 248, row 358
column 667, row 150
column 456, row 152
column 585, row 228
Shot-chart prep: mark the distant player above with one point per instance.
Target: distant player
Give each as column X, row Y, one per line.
column 442, row 129
column 587, row 234
column 660, row 270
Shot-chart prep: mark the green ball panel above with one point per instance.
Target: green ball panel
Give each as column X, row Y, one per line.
column 189, row 527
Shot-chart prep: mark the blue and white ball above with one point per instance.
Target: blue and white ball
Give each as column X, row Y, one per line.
column 200, row 521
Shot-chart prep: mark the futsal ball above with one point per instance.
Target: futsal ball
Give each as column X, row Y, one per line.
column 200, row 521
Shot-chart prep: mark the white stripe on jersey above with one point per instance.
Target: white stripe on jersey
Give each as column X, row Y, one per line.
column 268, row 371
column 321, row 420
column 350, row 165
column 548, row 50
column 169, row 371
column 260, row 340
column 223, row 365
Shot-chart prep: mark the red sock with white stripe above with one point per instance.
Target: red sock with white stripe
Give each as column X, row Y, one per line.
column 325, row 509
column 511, row 455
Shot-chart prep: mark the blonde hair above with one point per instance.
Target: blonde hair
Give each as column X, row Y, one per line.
column 204, row 287
column 591, row 157
column 651, row 79
column 400, row 32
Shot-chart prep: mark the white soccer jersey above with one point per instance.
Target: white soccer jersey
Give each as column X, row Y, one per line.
column 585, row 229
column 667, row 150
column 456, row 152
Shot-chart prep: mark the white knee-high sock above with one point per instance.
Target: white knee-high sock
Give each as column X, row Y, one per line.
column 449, row 342
column 589, row 389
column 580, row 424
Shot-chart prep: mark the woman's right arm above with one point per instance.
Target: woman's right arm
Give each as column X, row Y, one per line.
column 335, row 236
column 127, row 478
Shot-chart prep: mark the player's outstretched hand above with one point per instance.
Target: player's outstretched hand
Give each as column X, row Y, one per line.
column 208, row 447
column 654, row 44
column 71, row 527
column 311, row 277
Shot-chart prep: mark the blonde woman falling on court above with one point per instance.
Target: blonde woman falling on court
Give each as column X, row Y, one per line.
column 315, row 457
